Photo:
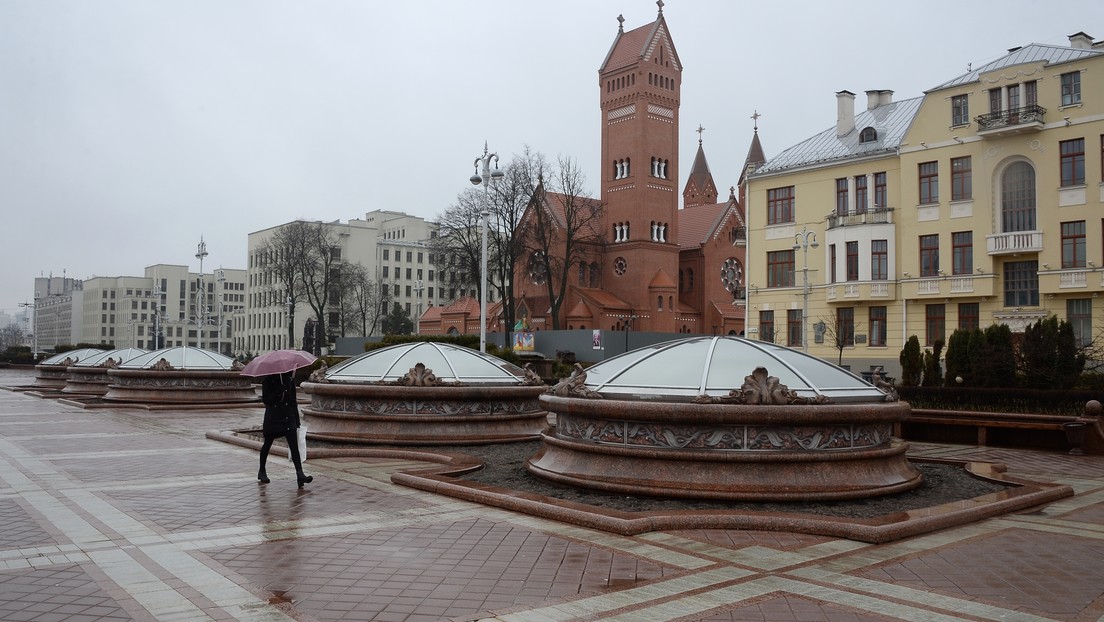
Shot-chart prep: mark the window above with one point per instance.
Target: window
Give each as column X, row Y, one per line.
column 994, row 101
column 868, row 135
column 1018, row 198
column 1071, row 88
column 793, row 328
column 780, row 268
column 962, row 250
column 831, row 263
column 929, row 183
column 1079, row 315
column 880, row 194
column 929, row 255
column 1031, row 93
column 879, row 260
column 841, row 197
column 852, row 261
column 1021, row 284
column 780, row 205
column 969, row 316
column 860, row 194
column 878, row 326
column 1072, row 162
column 960, row 110
column 845, row 326
column 1073, row 244
column 766, row 326
column 934, row 323
column 386, row 252
column 385, row 272
column 962, row 187
column 1013, row 97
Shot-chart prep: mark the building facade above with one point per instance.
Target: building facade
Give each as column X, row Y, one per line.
column 168, row 306
column 650, row 266
column 978, row 203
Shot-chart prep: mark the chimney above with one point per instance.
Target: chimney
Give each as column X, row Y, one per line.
column 1080, row 41
column 872, row 100
column 845, row 113
column 885, row 96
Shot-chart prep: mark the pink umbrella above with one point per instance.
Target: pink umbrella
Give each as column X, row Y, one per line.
column 278, row 362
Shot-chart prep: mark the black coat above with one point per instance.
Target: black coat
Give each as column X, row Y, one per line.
column 281, row 411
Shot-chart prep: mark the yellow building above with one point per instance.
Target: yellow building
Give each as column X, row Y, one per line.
column 978, row 203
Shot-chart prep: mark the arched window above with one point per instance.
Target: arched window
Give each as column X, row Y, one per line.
column 1018, row 197
column 659, row 303
column 868, row 135
column 582, row 274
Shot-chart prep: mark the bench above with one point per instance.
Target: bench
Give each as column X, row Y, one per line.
column 953, row 426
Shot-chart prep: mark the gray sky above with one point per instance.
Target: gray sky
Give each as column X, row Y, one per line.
column 130, row 128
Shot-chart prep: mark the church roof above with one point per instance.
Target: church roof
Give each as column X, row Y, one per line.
column 891, row 121
column 1031, row 53
column 581, row 310
column 699, row 172
column 466, row 304
column 755, row 158
column 637, row 44
column 603, row 299
column 728, row 310
column 697, row 223
column 662, row 279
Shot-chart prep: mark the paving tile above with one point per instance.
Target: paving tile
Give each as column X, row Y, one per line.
column 47, row 593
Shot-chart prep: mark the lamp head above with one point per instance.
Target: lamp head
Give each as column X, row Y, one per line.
column 815, row 244
column 476, row 180
column 497, row 174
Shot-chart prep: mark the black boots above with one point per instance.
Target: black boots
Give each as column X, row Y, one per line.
column 262, row 477
column 304, row 479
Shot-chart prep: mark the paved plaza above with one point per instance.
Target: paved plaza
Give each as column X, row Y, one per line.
column 133, row 514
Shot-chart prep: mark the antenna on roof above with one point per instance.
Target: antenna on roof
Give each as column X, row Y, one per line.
column 969, row 67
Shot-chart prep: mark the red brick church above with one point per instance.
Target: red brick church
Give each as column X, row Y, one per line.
column 647, row 265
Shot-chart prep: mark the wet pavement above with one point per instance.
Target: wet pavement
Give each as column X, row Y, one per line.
column 124, row 513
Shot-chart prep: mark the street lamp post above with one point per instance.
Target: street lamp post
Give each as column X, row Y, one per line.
column 486, row 178
column 201, row 294
column 419, row 286
column 803, row 241
column 34, row 325
column 220, row 278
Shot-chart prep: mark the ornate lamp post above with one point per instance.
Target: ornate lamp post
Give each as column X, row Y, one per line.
column 201, row 294
column 34, row 325
column 485, row 179
column 803, row 241
column 419, row 286
column 220, row 278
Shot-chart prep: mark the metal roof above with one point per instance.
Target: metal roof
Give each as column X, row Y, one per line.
column 1032, row 53
column 891, row 121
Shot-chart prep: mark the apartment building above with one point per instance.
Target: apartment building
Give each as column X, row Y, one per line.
column 977, row 203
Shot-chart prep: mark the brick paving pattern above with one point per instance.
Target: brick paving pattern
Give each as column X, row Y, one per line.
column 127, row 513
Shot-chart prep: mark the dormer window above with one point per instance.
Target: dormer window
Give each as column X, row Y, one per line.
column 868, row 135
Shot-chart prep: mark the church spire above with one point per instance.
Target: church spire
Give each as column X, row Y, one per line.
column 700, row 189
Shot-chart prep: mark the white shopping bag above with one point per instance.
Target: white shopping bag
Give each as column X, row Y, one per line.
column 301, row 436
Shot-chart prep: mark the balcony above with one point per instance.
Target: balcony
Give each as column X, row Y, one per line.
column 876, row 216
column 853, row 291
column 1010, row 122
column 1014, row 242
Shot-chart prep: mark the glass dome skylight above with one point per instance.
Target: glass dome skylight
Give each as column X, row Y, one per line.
column 121, row 355
column 683, row 369
column 75, row 355
column 182, row 358
column 448, row 362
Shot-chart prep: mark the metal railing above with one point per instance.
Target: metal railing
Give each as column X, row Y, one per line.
column 876, row 216
column 1011, row 117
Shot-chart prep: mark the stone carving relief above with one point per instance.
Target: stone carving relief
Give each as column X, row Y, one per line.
column 761, row 389
column 574, row 385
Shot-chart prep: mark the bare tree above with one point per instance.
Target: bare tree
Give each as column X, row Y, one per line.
column 11, row 336
column 840, row 334
column 280, row 257
column 304, row 258
column 460, row 228
column 562, row 226
column 359, row 305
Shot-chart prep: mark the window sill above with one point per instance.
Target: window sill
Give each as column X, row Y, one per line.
column 1067, row 106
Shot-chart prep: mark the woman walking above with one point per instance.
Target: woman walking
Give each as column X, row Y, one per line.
column 281, row 420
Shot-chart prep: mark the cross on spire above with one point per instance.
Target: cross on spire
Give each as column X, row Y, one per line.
column 755, row 118
column 659, row 3
column 699, row 131
column 620, row 23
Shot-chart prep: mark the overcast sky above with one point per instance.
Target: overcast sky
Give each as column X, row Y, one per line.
column 131, row 128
